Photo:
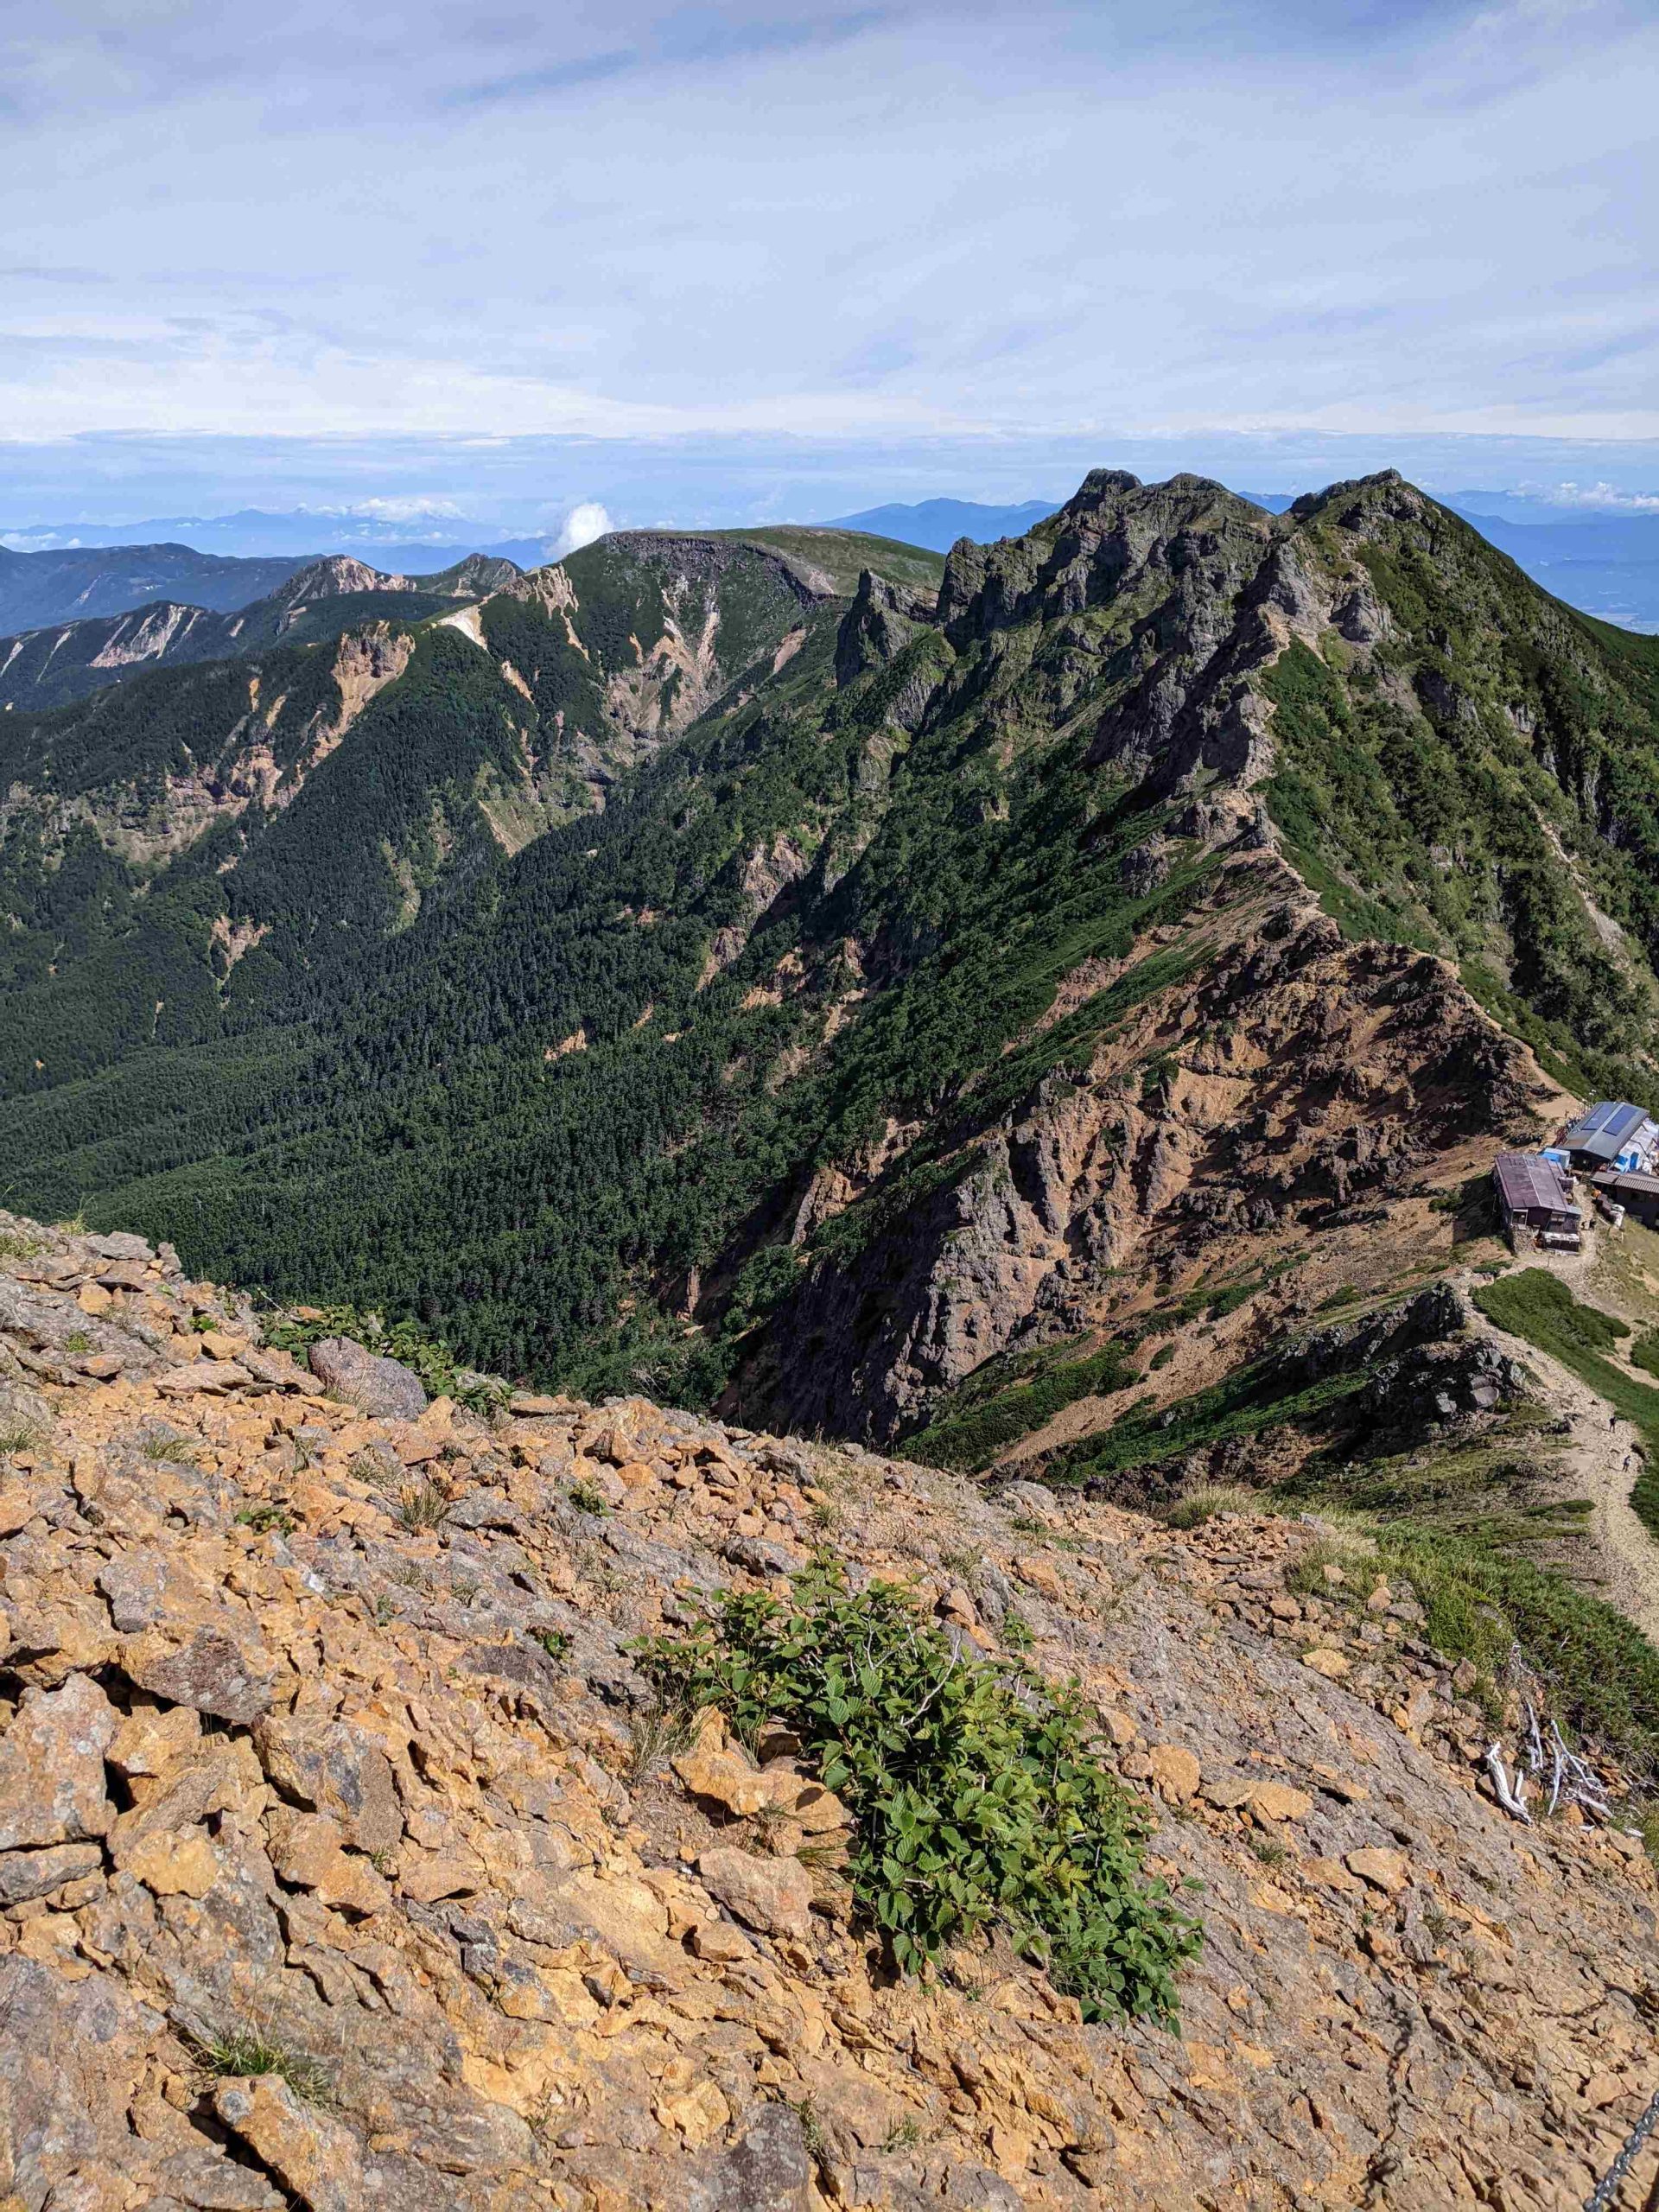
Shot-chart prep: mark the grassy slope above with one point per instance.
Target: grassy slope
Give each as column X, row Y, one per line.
column 1454, row 787
column 841, row 554
column 1539, row 1307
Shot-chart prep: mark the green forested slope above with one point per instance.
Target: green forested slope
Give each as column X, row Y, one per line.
column 552, row 1091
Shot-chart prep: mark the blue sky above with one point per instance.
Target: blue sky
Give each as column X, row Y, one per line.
column 707, row 264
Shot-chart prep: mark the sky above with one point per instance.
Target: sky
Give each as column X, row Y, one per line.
column 702, row 264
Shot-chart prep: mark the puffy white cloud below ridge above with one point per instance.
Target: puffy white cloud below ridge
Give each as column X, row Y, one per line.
column 787, row 225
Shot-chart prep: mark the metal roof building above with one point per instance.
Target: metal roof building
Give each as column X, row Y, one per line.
column 1638, row 1194
column 1610, row 1128
column 1535, row 1192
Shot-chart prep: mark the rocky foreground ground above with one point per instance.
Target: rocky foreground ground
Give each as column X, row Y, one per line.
column 346, row 1858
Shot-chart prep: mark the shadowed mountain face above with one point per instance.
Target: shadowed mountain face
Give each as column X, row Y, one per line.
column 705, row 962
column 78, row 583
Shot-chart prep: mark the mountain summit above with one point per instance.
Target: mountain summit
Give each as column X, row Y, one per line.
column 699, row 961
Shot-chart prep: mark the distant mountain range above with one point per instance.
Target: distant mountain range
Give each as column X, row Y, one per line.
column 412, row 544
column 62, row 661
column 938, row 524
column 68, row 584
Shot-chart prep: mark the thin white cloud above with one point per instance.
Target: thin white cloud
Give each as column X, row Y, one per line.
column 1602, row 498
column 1193, row 221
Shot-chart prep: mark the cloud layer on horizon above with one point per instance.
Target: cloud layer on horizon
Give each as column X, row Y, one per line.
column 1195, row 221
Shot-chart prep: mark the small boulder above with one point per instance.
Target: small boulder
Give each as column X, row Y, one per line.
column 1331, row 1664
column 768, row 2168
column 52, row 1766
column 311, row 2154
column 774, row 1895
column 1385, row 1870
column 383, row 1389
column 334, row 1769
column 26, row 1874
column 214, row 1672
column 1278, row 1801
column 120, row 1245
column 1175, row 1771
column 172, row 1866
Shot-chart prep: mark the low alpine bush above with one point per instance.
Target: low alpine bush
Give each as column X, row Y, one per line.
column 977, row 1789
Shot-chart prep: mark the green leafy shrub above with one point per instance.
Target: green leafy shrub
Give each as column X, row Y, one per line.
column 442, row 1375
column 977, row 1790
column 266, row 1520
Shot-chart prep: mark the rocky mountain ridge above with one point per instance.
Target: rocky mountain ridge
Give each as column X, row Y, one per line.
column 50, row 667
column 347, row 1854
column 939, row 985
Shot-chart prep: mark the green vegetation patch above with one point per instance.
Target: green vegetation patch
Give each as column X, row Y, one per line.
column 429, row 1356
column 1250, row 1400
column 1481, row 1602
column 985, row 1416
column 979, row 1793
column 1539, row 1307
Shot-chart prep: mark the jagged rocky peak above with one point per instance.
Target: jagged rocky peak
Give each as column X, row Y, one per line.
column 336, row 574
column 881, row 622
column 1112, row 535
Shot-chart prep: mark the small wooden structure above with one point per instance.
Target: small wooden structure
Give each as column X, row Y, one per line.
column 1535, row 1202
column 1638, row 1194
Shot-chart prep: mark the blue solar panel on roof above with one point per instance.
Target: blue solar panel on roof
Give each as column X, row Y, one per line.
column 1606, row 1126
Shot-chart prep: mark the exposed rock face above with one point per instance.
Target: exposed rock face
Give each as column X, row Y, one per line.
column 881, row 622
column 435, row 1929
column 1303, row 1076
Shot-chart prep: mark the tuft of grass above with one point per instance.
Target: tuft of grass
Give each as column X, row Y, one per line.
column 422, row 1505
column 904, row 2135
column 16, row 1245
column 658, row 1732
column 168, row 1451
column 20, row 1435
column 587, row 1497
column 1205, row 1500
column 252, row 2050
column 812, row 2135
